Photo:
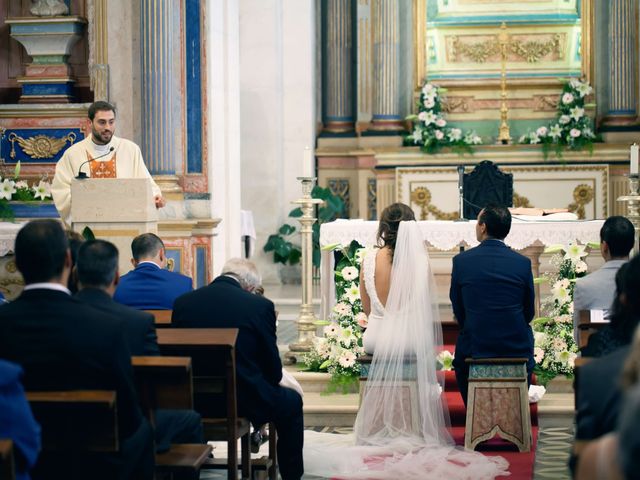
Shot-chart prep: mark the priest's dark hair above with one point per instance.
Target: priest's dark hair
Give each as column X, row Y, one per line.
column 100, row 106
column 390, row 222
column 97, row 263
column 41, row 251
column 619, row 234
column 146, row 245
column 497, row 220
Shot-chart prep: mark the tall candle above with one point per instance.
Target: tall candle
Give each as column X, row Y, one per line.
column 307, row 163
column 635, row 156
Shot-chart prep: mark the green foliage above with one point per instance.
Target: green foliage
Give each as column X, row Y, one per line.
column 281, row 244
column 88, row 234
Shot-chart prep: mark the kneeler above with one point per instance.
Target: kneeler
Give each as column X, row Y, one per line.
column 498, row 402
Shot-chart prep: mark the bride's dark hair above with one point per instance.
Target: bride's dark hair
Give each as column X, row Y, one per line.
column 390, row 222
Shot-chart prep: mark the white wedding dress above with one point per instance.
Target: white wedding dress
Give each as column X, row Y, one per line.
column 400, row 431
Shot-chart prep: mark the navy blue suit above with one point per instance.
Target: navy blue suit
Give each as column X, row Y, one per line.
column 492, row 297
column 224, row 304
column 149, row 287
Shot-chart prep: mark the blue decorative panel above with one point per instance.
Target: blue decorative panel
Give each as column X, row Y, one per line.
column 37, row 145
column 193, row 86
column 176, row 255
column 34, row 210
column 65, row 88
column 201, row 267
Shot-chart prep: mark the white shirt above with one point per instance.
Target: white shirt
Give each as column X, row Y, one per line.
column 47, row 286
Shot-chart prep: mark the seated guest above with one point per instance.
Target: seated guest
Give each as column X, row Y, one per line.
column 97, row 277
column 228, row 303
column 150, row 286
column 597, row 290
column 75, row 240
column 619, row 331
column 16, row 420
column 598, row 397
column 64, row 344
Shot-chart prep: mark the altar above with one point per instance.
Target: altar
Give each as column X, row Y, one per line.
column 527, row 235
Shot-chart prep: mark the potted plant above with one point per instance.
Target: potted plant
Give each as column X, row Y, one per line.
column 288, row 253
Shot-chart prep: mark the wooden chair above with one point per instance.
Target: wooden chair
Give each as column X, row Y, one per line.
column 7, row 467
column 498, row 402
column 166, row 382
column 162, row 317
column 586, row 327
column 215, row 396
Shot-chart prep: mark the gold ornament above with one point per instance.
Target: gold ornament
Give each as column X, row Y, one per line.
column 582, row 194
column 40, row 146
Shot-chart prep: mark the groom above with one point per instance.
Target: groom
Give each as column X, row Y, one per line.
column 492, row 297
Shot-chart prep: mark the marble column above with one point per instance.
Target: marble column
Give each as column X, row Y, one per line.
column 338, row 108
column 386, row 53
column 158, row 89
column 622, row 63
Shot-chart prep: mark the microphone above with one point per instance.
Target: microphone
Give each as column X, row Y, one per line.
column 81, row 175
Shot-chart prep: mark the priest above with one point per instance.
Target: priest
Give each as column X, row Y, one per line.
column 99, row 155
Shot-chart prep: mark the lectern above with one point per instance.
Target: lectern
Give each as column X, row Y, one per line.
column 115, row 209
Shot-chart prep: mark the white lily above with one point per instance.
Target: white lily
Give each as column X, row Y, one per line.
column 576, row 113
column 7, row 189
column 42, row 190
column 353, row 293
column 575, row 252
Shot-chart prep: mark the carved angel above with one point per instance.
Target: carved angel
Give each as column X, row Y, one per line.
column 41, row 146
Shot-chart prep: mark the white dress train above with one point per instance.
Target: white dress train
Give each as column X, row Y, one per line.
column 400, row 431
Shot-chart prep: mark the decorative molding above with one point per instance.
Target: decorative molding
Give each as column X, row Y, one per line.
column 529, row 50
column 521, row 202
column 421, row 196
column 340, row 188
column 583, row 194
column 457, row 104
column 545, row 103
column 39, row 146
column 98, row 49
column 419, row 43
column 372, row 213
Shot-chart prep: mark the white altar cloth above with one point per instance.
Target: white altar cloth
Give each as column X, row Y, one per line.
column 447, row 235
column 8, row 232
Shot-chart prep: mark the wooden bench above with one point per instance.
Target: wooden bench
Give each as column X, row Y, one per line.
column 215, row 397
column 496, row 386
column 162, row 318
column 166, row 382
column 586, row 327
column 7, row 466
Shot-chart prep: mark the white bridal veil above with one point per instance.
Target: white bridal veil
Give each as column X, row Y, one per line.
column 401, row 427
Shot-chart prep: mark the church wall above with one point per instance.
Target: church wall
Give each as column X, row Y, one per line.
column 277, row 110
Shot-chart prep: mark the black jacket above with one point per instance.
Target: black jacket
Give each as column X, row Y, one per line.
column 140, row 331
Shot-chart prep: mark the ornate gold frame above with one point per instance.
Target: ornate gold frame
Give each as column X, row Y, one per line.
column 420, row 43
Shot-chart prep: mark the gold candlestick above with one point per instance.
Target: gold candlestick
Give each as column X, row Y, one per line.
column 503, row 136
column 633, row 208
column 306, row 318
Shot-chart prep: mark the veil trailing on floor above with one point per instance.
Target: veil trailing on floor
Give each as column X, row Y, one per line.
column 401, row 427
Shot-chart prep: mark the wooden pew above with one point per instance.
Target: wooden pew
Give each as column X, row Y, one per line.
column 7, row 467
column 213, row 355
column 166, row 382
column 586, row 328
column 162, row 318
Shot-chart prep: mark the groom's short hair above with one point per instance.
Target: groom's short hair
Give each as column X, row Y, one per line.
column 619, row 234
column 497, row 220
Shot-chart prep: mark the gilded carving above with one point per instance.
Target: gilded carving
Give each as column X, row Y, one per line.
column 40, row 146
column 340, row 188
column 521, row 202
column 532, row 51
column 582, row 194
column 372, row 199
column 10, row 266
column 546, row 103
column 421, row 196
column 456, row 105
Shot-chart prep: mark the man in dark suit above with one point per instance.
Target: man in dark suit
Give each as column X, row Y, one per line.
column 492, row 297
column 63, row 344
column 150, row 286
column 97, row 268
column 228, row 303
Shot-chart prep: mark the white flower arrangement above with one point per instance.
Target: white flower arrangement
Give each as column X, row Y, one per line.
column 340, row 346
column 555, row 349
column 430, row 129
column 12, row 189
column 573, row 129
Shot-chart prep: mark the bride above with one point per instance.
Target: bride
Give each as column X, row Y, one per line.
column 401, row 427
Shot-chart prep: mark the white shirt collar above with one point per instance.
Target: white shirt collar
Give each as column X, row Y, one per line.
column 148, row 262
column 47, row 286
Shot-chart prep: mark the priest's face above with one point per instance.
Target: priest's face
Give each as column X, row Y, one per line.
column 103, row 126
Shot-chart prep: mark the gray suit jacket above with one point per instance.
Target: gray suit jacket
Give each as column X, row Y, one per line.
column 596, row 291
